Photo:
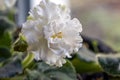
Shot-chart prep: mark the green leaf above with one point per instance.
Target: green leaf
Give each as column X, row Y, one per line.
column 86, row 55
column 85, row 61
column 11, row 69
column 10, row 14
column 46, row 72
column 110, row 63
column 36, row 75
column 6, row 25
column 6, row 29
column 84, row 67
column 6, row 40
column 4, row 54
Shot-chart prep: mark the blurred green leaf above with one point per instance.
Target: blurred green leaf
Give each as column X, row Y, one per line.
column 86, row 55
column 85, row 61
column 46, row 72
column 6, row 25
column 10, row 14
column 84, row 67
column 6, row 29
column 4, row 54
column 6, row 40
column 36, row 75
column 110, row 63
column 11, row 69
column 95, row 46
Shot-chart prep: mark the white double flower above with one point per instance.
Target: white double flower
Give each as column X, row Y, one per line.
column 51, row 33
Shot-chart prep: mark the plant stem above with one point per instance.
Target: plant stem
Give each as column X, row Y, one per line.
column 28, row 59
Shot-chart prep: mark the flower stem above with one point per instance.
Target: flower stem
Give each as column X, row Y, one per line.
column 28, row 60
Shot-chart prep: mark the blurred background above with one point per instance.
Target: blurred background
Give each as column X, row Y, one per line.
column 100, row 18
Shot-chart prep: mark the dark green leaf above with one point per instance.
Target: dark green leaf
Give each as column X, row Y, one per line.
column 86, row 55
column 11, row 69
column 10, row 14
column 85, row 61
column 82, row 66
column 36, row 75
column 6, row 40
column 4, row 54
column 97, row 45
column 5, row 25
column 110, row 63
column 46, row 72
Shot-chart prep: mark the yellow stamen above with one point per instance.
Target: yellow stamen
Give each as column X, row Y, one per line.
column 58, row 35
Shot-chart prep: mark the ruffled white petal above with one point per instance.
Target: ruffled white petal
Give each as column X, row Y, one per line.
column 51, row 33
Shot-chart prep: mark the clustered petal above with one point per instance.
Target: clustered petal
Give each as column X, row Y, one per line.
column 51, row 33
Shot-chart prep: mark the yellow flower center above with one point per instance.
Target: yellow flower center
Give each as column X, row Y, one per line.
column 57, row 35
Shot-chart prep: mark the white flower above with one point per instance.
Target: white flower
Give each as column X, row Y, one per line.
column 4, row 4
column 51, row 34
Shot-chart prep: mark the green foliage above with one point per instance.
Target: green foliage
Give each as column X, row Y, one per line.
column 6, row 40
column 11, row 68
column 5, row 25
column 4, row 54
column 85, row 61
column 86, row 55
column 46, row 72
column 95, row 46
column 10, row 14
column 20, row 44
column 110, row 63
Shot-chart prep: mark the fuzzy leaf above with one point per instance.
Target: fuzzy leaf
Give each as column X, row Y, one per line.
column 6, row 40
column 11, row 69
column 46, row 72
column 86, row 55
column 85, row 61
column 6, row 29
column 10, row 14
column 82, row 66
column 4, row 54
column 5, row 25
column 110, row 63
